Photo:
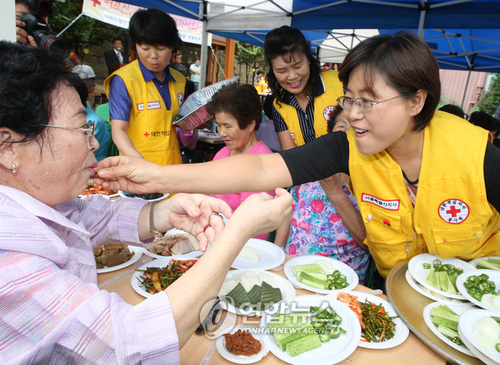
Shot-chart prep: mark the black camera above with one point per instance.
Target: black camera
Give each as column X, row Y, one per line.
column 55, row 46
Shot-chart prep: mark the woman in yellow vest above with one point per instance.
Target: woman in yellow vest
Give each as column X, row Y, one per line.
column 425, row 180
column 304, row 94
column 145, row 96
column 259, row 81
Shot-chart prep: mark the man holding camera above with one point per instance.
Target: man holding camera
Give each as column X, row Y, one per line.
column 21, row 35
column 32, row 28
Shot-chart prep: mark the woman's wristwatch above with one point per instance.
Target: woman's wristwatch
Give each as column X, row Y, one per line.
column 155, row 232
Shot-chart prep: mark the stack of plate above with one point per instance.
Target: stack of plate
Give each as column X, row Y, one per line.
column 458, row 309
column 466, row 325
column 416, row 276
column 493, row 276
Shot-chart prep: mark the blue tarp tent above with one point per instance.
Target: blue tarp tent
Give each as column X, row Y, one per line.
column 477, row 46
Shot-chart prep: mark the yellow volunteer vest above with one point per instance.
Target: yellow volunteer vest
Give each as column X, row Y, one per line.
column 452, row 216
column 323, row 106
column 261, row 88
column 150, row 125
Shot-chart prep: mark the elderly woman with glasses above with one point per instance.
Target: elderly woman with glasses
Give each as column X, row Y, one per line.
column 52, row 310
column 425, row 180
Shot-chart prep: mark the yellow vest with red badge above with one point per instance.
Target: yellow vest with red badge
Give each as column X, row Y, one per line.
column 451, row 217
column 323, row 106
column 150, row 125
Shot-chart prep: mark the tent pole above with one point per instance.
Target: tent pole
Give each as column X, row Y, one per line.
column 204, row 41
column 465, row 92
column 421, row 22
column 70, row 24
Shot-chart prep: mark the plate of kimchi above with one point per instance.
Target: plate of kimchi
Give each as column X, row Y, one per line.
column 381, row 328
column 93, row 189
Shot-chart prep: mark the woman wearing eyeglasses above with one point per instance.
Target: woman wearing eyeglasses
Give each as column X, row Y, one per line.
column 52, row 310
column 425, row 180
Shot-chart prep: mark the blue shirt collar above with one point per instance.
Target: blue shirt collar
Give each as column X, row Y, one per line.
column 148, row 75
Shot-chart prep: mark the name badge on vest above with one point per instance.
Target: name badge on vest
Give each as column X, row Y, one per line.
column 292, row 135
column 154, row 105
column 385, row 204
column 140, row 107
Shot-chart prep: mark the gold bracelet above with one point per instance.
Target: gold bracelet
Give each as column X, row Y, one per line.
column 155, row 232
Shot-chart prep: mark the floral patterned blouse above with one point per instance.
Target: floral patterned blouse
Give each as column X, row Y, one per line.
column 317, row 229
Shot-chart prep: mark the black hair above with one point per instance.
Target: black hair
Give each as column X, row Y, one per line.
column 28, row 76
column 268, row 106
column 82, row 90
column 332, row 119
column 154, row 27
column 241, row 101
column 484, row 120
column 405, row 62
column 285, row 41
column 117, row 39
column 259, row 72
column 453, row 109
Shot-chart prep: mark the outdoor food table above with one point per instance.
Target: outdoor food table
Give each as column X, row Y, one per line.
column 412, row 351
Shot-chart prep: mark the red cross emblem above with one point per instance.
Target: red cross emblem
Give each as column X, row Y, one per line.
column 146, row 134
column 453, row 211
column 328, row 110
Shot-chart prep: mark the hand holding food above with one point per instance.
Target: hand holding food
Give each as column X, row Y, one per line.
column 128, row 173
column 260, row 213
column 194, row 213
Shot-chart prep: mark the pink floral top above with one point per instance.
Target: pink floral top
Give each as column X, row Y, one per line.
column 317, row 229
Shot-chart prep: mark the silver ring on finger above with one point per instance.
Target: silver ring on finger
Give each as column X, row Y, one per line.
column 215, row 214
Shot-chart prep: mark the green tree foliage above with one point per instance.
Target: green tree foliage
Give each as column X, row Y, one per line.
column 85, row 31
column 250, row 55
column 490, row 102
column 446, row 100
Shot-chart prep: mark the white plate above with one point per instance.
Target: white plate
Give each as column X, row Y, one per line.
column 136, row 284
column 493, row 276
column 475, row 261
column 186, row 256
column 352, row 277
column 122, row 194
column 420, row 274
column 271, row 256
column 329, row 353
column 137, row 251
column 237, row 359
column 466, row 324
column 433, row 295
column 428, row 321
column 401, row 332
column 287, row 292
